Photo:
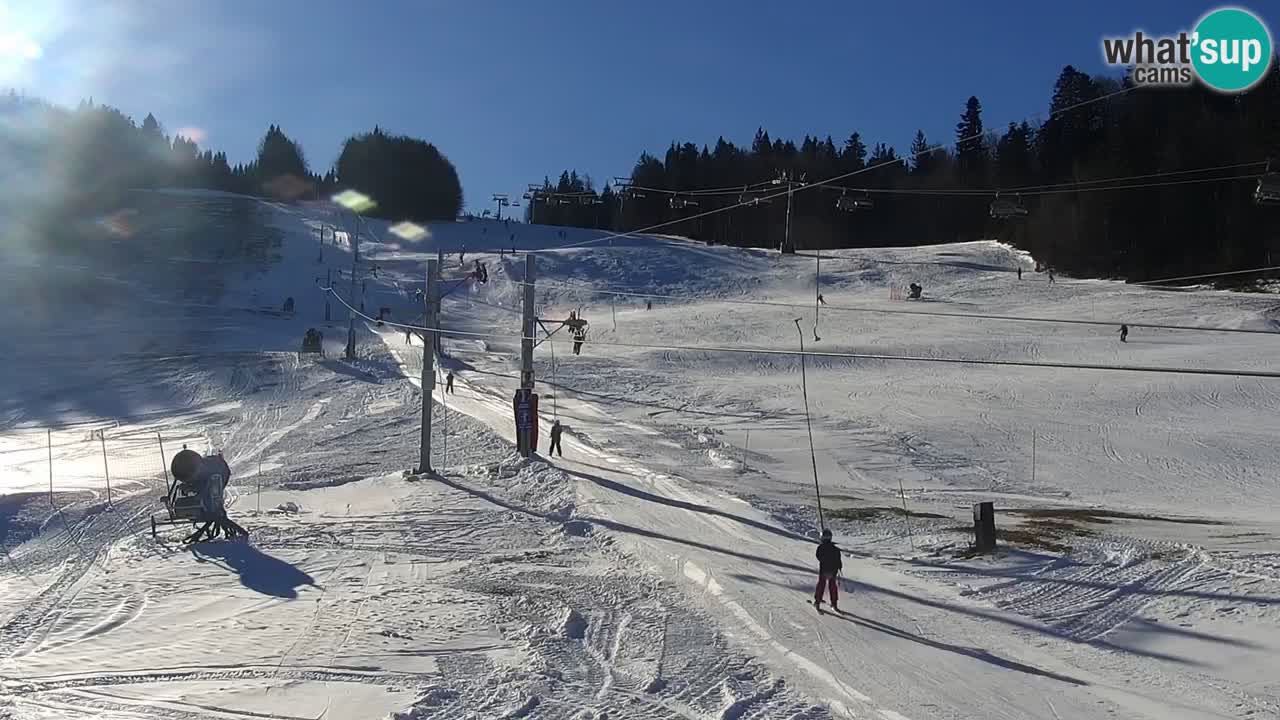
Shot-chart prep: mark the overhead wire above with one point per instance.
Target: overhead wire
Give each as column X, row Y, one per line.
column 903, row 311
column 841, row 355
column 1027, row 189
column 1208, row 275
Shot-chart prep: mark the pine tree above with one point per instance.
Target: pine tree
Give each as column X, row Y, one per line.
column 281, row 166
column 854, row 156
column 971, row 150
column 922, row 154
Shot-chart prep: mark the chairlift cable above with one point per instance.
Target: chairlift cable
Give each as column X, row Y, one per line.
column 1226, row 372
column 819, row 183
column 924, row 313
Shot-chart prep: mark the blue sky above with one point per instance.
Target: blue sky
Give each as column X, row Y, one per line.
column 512, row 91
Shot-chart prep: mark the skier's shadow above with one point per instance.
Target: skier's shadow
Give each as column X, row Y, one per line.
column 258, row 571
column 974, row 652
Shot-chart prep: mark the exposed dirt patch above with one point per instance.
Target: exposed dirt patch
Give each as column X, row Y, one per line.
column 1101, row 516
column 871, row 513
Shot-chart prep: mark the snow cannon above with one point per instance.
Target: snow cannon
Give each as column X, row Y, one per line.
column 195, row 495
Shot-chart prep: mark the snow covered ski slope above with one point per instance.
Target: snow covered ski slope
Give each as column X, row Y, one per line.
column 664, row 566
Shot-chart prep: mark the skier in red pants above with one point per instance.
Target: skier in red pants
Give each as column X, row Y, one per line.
column 829, row 565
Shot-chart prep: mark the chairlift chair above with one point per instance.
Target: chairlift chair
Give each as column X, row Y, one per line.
column 1002, row 209
column 852, row 203
column 1268, row 190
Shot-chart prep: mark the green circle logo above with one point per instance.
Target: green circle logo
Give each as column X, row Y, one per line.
column 1232, row 50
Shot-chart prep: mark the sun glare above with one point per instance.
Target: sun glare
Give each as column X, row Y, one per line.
column 19, row 47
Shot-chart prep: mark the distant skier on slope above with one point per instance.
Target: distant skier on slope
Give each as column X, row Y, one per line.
column 829, row 565
column 1124, row 333
column 556, row 430
column 1019, row 272
column 448, row 383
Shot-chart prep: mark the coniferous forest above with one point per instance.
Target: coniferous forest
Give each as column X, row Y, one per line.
column 60, row 163
column 1121, row 187
column 1142, row 183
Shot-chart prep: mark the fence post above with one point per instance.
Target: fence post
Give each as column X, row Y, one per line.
column 906, row 514
column 1033, row 456
column 49, row 442
column 106, row 471
column 164, row 462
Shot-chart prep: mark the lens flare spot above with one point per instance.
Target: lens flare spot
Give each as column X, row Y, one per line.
column 119, row 223
column 192, row 133
column 411, row 232
column 17, row 46
column 355, row 201
column 286, row 187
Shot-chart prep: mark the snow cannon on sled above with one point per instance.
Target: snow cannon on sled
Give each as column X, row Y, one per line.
column 195, row 494
column 313, row 342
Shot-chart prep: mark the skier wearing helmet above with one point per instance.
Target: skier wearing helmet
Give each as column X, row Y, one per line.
column 829, row 565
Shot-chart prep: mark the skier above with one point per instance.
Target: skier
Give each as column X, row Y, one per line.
column 648, row 304
column 556, row 430
column 448, row 383
column 578, row 337
column 1124, row 333
column 822, row 300
column 1019, row 272
column 829, row 565
column 1050, row 277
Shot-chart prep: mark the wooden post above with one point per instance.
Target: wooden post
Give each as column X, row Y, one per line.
column 906, row 514
column 49, row 442
column 1033, row 456
column 164, row 464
